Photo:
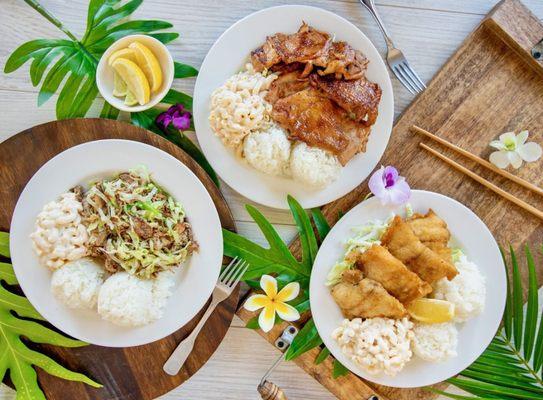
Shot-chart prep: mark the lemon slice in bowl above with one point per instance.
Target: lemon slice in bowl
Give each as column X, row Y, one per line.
column 431, row 311
column 135, row 79
column 130, row 99
column 127, row 53
column 119, row 86
column 149, row 64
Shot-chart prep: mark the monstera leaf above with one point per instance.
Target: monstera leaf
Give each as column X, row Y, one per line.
column 74, row 60
column 18, row 320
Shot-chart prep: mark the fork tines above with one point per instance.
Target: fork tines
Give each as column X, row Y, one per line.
column 233, row 272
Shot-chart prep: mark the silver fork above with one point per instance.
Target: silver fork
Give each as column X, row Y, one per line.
column 395, row 59
column 228, row 280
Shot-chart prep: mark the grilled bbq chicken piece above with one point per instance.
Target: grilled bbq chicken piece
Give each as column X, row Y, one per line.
column 313, row 118
column 360, row 98
column 286, row 84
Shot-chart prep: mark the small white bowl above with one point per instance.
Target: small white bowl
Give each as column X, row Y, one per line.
column 104, row 72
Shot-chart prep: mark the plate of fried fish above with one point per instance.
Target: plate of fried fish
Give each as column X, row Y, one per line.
column 293, row 100
column 408, row 296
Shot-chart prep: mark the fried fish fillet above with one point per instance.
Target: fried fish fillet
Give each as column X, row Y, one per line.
column 432, row 232
column 313, row 118
column 378, row 264
column 365, row 298
column 402, row 242
column 360, row 98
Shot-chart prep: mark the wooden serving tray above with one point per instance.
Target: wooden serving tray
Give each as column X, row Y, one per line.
column 133, row 373
column 491, row 85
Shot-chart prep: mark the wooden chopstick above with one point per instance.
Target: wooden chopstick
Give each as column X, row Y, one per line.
column 485, row 183
column 479, row 160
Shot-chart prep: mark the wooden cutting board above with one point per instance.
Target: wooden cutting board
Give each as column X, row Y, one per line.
column 491, row 85
column 133, row 373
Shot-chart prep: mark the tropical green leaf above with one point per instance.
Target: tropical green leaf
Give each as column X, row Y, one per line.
column 323, row 228
column 16, row 359
column 531, row 307
column 4, row 244
column 308, row 338
column 506, row 370
column 184, row 71
column 307, row 236
column 518, row 312
column 339, row 370
column 72, row 63
column 275, row 259
column 323, row 355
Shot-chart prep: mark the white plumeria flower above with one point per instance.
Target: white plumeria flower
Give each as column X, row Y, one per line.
column 513, row 149
column 273, row 302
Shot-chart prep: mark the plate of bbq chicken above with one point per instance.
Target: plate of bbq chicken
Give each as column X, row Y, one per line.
column 408, row 296
column 293, row 100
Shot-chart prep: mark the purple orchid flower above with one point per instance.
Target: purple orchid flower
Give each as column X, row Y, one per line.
column 389, row 187
column 176, row 116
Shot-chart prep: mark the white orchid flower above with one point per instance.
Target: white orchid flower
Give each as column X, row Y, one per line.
column 273, row 302
column 513, row 149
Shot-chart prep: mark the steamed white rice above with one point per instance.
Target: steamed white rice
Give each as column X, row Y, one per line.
column 467, row 291
column 77, row 283
column 313, row 166
column 126, row 300
column 268, row 151
column 435, row 342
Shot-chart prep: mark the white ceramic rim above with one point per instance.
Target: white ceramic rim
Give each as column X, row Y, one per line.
column 107, row 92
column 202, row 269
column 474, row 335
column 259, row 187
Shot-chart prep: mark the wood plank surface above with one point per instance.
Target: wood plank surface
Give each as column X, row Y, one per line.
column 428, row 31
column 130, row 373
column 488, row 87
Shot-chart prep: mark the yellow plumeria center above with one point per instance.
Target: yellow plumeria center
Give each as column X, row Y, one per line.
column 510, row 144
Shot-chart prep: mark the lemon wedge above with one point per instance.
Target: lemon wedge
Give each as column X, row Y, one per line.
column 130, row 99
column 119, row 86
column 431, row 311
column 127, row 53
column 135, row 79
column 149, row 64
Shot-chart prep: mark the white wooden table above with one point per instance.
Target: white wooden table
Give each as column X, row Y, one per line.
column 428, row 31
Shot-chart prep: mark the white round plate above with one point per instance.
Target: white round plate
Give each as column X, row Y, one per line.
column 469, row 233
column 79, row 165
column 228, row 56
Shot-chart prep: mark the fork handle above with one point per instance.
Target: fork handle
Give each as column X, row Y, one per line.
column 183, row 350
column 371, row 7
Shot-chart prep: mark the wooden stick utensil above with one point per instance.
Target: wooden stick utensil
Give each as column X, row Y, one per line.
column 479, row 160
column 484, row 182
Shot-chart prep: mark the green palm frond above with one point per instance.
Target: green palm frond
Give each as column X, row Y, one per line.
column 71, row 63
column 510, row 368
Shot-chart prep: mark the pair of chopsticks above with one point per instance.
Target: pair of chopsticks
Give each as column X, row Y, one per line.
column 487, row 165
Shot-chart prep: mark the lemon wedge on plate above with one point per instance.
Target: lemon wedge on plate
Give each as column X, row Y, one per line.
column 431, row 311
column 127, row 53
column 119, row 86
column 135, row 79
column 149, row 64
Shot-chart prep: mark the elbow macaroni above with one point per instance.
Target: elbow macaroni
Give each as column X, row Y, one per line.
column 238, row 107
column 59, row 235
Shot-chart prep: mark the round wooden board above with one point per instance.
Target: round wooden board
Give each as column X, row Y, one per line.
column 129, row 373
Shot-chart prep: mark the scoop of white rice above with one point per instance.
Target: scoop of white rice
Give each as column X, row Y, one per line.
column 313, row 166
column 77, row 283
column 126, row 300
column 467, row 290
column 268, row 151
column 435, row 342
